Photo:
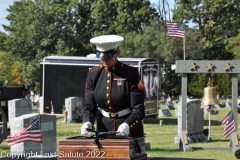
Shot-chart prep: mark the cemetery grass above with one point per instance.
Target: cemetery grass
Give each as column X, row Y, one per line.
column 161, row 139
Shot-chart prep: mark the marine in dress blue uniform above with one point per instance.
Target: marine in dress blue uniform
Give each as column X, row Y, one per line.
column 114, row 96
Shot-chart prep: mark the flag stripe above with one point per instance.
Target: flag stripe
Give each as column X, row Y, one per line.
column 225, row 119
column 175, row 29
column 229, row 130
column 32, row 135
column 27, row 139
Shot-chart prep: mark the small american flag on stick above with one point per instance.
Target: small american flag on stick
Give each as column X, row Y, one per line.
column 229, row 124
column 207, row 107
column 30, row 133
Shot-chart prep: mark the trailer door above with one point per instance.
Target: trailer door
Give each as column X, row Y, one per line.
column 149, row 76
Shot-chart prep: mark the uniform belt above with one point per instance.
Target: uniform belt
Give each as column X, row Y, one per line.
column 115, row 114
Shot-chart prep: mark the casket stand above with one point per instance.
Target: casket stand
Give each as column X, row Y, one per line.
column 107, row 148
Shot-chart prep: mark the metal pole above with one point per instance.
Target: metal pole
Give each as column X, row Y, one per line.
column 184, row 48
column 209, row 127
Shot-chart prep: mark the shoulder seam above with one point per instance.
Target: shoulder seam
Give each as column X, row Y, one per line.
column 127, row 67
column 95, row 69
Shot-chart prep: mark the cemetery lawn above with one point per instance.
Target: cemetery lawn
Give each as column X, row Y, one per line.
column 161, row 139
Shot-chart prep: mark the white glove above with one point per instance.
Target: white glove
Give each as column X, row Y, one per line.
column 85, row 126
column 123, row 130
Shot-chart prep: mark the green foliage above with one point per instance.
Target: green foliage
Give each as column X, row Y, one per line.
column 16, row 74
column 221, row 82
column 217, row 21
column 235, row 48
column 112, row 17
column 3, row 39
column 30, row 69
column 42, row 28
column 11, row 69
column 154, row 42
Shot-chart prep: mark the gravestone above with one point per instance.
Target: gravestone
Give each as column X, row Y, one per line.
column 165, row 113
column 222, row 105
column 48, row 132
column 74, row 107
column 170, row 107
column 176, row 107
column 228, row 104
column 18, row 107
column 195, row 118
column 194, row 121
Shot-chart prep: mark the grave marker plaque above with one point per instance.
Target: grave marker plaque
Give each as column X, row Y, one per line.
column 165, row 113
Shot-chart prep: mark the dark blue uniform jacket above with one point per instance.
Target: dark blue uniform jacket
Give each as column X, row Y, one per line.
column 113, row 90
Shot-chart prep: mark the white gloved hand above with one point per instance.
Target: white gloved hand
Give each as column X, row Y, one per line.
column 85, row 126
column 123, row 130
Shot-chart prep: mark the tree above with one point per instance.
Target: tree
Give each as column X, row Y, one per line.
column 10, row 69
column 217, row 20
column 117, row 17
column 154, row 42
column 63, row 27
column 3, row 39
column 42, row 28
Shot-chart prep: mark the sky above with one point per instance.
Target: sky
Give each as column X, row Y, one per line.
column 4, row 4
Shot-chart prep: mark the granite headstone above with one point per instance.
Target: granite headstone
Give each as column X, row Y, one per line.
column 194, row 121
column 48, row 145
column 18, row 107
column 74, row 107
column 195, row 118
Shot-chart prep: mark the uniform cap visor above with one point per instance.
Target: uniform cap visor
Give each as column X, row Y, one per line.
column 105, row 56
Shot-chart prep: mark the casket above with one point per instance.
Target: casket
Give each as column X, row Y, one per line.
column 114, row 148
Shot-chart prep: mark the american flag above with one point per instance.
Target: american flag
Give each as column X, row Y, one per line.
column 175, row 29
column 229, row 124
column 30, row 133
column 207, row 107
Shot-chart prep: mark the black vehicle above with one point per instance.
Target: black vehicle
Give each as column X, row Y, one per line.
column 65, row 76
column 8, row 93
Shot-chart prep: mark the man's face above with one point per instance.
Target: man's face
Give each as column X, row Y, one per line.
column 109, row 62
